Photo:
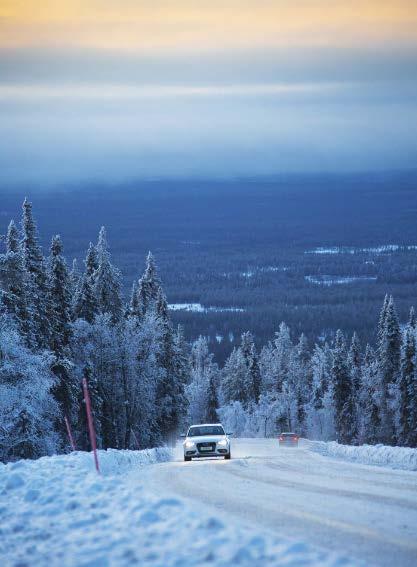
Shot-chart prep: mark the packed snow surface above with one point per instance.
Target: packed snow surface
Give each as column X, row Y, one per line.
column 58, row 511
column 368, row 513
column 267, row 506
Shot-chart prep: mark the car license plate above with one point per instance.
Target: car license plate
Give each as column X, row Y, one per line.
column 205, row 449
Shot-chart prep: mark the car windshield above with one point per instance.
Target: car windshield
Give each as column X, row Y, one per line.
column 202, row 430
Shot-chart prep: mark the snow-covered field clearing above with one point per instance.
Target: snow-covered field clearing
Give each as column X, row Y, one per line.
column 198, row 308
column 267, row 506
column 382, row 249
column 328, row 280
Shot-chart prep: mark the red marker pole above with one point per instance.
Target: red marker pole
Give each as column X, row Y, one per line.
column 91, row 430
column 70, row 437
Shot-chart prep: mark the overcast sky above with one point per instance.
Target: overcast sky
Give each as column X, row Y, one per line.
column 103, row 89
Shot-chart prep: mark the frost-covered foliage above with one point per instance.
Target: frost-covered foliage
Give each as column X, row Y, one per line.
column 202, row 389
column 27, row 407
column 333, row 392
column 64, row 326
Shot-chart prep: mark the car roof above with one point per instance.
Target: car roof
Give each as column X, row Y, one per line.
column 288, row 433
column 206, row 425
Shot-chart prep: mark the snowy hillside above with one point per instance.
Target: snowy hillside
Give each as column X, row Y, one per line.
column 57, row 510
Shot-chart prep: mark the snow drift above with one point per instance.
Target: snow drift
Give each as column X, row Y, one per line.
column 112, row 461
column 402, row 458
column 58, row 511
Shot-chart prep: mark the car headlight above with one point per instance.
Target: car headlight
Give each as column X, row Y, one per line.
column 223, row 442
column 189, row 444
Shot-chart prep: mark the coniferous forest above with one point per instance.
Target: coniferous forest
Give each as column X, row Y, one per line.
column 60, row 324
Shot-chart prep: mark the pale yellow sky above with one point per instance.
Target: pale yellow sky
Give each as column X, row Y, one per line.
column 152, row 25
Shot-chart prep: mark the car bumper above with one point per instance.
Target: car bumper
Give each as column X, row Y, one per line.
column 198, row 454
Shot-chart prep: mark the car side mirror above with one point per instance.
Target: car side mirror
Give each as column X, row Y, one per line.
column 182, row 435
column 230, row 434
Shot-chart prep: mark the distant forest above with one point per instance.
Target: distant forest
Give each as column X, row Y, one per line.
column 308, row 250
column 63, row 328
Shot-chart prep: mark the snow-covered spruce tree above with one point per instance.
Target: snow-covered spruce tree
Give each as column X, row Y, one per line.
column 146, row 343
column 354, row 362
column 300, row 378
column 253, row 377
column 96, row 347
column 344, row 415
column 132, row 309
column 59, row 308
column 201, row 362
column 369, row 400
column 275, row 359
column 182, row 371
column 85, row 305
column 91, row 262
column 212, row 401
column 148, row 288
column 74, row 277
column 13, row 238
column 14, row 286
column 412, row 321
column 59, row 304
column 196, row 390
column 170, row 396
column 288, row 403
column 27, row 408
column 382, row 319
column 37, row 277
column 354, row 367
column 234, row 418
column 107, row 281
column 411, row 440
column 202, row 390
column 234, row 378
column 320, row 414
column 241, row 379
column 407, row 392
column 389, row 353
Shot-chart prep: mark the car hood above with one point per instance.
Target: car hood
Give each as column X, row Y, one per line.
column 206, row 438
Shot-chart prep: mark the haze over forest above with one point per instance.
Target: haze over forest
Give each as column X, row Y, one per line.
column 228, row 138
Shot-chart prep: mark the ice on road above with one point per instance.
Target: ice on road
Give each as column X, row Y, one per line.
column 367, row 512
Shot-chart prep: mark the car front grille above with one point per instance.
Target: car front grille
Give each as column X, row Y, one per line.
column 212, row 447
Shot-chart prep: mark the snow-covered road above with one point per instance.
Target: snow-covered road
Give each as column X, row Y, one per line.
column 368, row 513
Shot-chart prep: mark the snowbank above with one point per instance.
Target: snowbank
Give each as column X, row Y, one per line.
column 382, row 455
column 111, row 461
column 58, row 511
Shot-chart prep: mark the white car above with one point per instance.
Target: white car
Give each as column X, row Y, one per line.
column 206, row 440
